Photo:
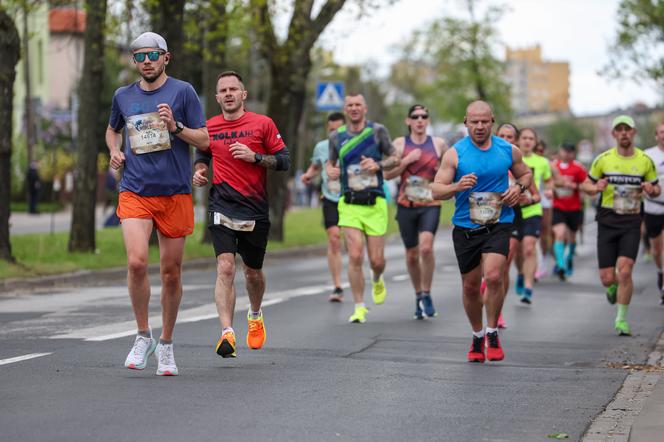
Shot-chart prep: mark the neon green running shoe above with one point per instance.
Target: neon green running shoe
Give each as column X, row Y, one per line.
column 611, row 292
column 359, row 316
column 623, row 328
column 379, row 292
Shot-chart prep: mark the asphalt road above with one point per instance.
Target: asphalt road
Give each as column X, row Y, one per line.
column 319, row 377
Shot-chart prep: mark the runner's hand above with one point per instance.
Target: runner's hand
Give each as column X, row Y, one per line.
column 466, row 182
column 200, row 177
column 242, row 152
column 548, row 193
column 166, row 115
column 333, row 172
column 117, row 158
column 305, row 178
column 601, row 184
column 648, row 188
column 369, row 164
column 412, row 156
column 512, row 195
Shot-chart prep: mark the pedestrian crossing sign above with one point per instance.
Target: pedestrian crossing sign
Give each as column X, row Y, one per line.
column 329, row 95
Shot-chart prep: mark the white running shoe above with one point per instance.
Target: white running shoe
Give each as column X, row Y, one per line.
column 166, row 360
column 143, row 347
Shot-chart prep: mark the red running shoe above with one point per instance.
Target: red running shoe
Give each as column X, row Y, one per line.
column 494, row 352
column 476, row 353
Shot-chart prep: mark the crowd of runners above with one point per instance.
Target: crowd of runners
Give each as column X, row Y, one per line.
column 513, row 204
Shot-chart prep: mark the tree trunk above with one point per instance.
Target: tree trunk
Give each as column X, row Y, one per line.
column 285, row 106
column 167, row 19
column 10, row 47
column 82, row 234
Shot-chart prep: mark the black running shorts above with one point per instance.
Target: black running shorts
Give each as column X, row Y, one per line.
column 250, row 245
column 654, row 224
column 532, row 226
column 572, row 219
column 330, row 213
column 469, row 245
column 413, row 220
column 613, row 242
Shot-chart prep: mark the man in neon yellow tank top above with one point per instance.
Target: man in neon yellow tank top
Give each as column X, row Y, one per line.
column 622, row 175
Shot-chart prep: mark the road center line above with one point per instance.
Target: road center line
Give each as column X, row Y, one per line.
column 23, row 358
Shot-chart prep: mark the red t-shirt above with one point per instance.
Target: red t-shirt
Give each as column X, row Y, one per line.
column 239, row 189
column 565, row 198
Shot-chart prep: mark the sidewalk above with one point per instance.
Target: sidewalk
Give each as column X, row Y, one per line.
column 649, row 424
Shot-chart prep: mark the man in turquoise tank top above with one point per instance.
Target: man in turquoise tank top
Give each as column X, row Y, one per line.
column 359, row 152
column 418, row 214
column 475, row 172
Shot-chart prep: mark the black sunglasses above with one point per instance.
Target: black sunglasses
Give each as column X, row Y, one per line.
column 419, row 116
column 139, row 57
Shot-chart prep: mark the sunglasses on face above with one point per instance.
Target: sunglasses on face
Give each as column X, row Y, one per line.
column 419, row 117
column 139, row 57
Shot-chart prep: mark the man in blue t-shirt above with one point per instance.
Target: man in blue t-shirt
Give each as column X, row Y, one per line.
column 161, row 117
column 475, row 172
column 331, row 190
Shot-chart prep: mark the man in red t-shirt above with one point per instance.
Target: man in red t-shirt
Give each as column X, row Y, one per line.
column 243, row 145
column 567, row 208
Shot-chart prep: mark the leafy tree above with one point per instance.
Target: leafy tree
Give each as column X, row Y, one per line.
column 82, row 234
column 10, row 47
column 567, row 129
column 637, row 51
column 451, row 62
column 167, row 19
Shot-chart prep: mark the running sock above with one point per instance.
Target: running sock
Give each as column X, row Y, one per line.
column 419, row 295
column 528, row 293
column 145, row 334
column 622, row 312
column 479, row 334
column 572, row 249
column 226, row 330
column 559, row 253
column 165, row 341
column 360, row 304
column 338, row 290
column 255, row 315
column 491, row 330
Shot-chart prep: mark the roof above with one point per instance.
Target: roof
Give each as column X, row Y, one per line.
column 69, row 20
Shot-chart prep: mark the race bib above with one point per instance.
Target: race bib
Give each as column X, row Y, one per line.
column 418, row 189
column 627, row 199
column 334, row 186
column 485, row 207
column 233, row 223
column 359, row 179
column 147, row 133
column 564, row 192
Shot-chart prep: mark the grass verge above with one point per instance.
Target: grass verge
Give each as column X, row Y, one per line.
column 46, row 254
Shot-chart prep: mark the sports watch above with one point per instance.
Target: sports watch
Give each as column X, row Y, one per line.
column 258, row 158
column 179, row 127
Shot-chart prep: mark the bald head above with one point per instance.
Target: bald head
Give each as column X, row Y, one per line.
column 479, row 121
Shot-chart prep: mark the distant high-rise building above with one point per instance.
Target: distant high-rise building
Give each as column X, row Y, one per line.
column 537, row 86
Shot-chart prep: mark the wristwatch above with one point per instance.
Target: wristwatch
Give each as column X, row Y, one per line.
column 179, row 127
column 258, row 158
column 521, row 187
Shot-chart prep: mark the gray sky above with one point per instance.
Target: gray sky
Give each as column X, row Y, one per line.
column 576, row 31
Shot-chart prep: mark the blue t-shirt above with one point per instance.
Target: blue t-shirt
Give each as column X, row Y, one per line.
column 161, row 172
column 331, row 188
column 491, row 167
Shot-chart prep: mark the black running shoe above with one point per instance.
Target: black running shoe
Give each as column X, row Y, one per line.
column 659, row 281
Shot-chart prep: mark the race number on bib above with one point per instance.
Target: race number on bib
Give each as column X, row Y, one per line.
column 627, row 199
column 359, row 179
column 418, row 189
column 485, row 207
column 334, row 186
column 147, row 133
column 233, row 223
column 564, row 192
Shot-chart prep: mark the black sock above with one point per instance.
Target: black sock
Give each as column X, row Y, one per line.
column 145, row 334
column 165, row 342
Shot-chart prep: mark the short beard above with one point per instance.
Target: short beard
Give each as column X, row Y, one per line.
column 156, row 74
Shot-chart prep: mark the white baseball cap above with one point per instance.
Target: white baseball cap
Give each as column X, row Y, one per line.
column 149, row 40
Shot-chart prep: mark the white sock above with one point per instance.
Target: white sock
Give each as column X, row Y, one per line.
column 227, row 329
column 479, row 334
column 491, row 330
column 360, row 304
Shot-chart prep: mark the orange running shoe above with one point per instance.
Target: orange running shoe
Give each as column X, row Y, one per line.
column 226, row 345
column 256, row 333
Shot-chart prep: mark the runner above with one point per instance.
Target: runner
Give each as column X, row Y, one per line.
column 418, row 214
column 243, row 145
column 567, row 208
column 654, row 208
column 546, row 237
column 532, row 213
column 621, row 174
column 330, row 199
column 162, row 117
column 475, row 172
column 358, row 147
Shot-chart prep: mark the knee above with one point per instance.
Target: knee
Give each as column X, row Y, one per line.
column 426, row 250
column 334, row 243
column 355, row 257
column 493, row 277
column 625, row 274
column 412, row 256
column 226, row 269
column 137, row 266
column 170, row 275
column 471, row 287
column 607, row 277
column 529, row 250
column 253, row 276
column 377, row 262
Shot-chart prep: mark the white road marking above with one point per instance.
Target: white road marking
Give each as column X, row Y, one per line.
column 399, row 278
column 23, row 358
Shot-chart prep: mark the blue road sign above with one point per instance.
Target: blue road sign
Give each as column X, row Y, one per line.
column 329, row 95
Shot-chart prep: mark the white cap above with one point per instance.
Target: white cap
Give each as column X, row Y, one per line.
column 149, row 40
